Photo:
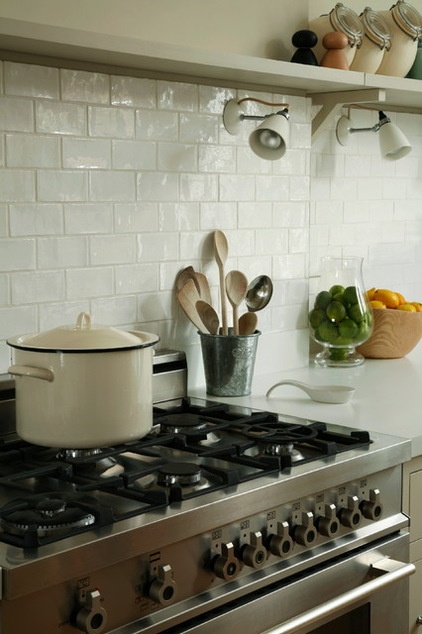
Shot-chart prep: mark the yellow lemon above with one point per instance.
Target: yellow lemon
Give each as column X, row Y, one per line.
column 408, row 307
column 387, row 297
column 375, row 303
column 418, row 306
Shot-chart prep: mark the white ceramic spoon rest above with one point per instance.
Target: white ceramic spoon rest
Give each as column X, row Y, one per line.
column 321, row 393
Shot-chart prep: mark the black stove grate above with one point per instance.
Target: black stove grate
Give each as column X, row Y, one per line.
column 226, row 444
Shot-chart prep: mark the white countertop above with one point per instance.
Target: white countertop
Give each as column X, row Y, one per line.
column 388, row 397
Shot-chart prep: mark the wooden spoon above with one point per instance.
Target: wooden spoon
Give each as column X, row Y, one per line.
column 221, row 251
column 236, row 286
column 247, row 323
column 184, row 275
column 208, row 315
column 204, row 287
column 187, row 297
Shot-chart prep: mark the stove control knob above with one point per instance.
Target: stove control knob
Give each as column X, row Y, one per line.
column 281, row 544
column 305, row 533
column 163, row 588
column 92, row 617
column 328, row 523
column 226, row 566
column 254, row 554
column 350, row 515
column 372, row 508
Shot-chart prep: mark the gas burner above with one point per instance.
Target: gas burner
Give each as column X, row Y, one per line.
column 182, row 473
column 274, row 433
column 182, row 423
column 46, row 516
column 283, row 450
column 79, row 455
column 190, row 424
column 179, row 479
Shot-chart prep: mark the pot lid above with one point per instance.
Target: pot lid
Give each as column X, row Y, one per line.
column 347, row 21
column 84, row 337
column 376, row 28
column 407, row 18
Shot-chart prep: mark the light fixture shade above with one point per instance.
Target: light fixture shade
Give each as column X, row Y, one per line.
column 393, row 143
column 270, row 139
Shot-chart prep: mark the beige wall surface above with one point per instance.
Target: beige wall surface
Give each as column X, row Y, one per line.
column 247, row 27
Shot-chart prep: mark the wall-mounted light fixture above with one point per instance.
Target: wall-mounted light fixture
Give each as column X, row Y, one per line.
column 269, row 140
column 393, row 143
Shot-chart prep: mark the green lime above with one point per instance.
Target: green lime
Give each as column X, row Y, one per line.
column 350, row 295
column 326, row 331
column 339, row 297
column 364, row 331
column 335, row 311
column 348, row 328
column 356, row 313
column 322, row 299
column 337, row 289
column 342, row 341
column 316, row 316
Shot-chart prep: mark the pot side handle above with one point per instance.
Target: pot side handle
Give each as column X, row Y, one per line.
column 33, row 372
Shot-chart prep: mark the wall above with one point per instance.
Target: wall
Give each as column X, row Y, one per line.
column 110, row 185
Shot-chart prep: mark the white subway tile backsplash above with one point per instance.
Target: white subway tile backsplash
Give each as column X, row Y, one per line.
column 37, row 286
column 17, row 320
column 35, row 219
column 133, row 91
column 136, row 217
column 30, row 150
column 157, row 187
column 63, row 185
column 16, row 115
column 178, row 216
column 86, row 153
column 134, row 155
column 4, row 224
column 57, row 117
column 17, row 185
column 30, row 80
column 110, row 185
column 112, row 249
column 89, row 282
column 177, row 157
column 177, row 96
column 88, row 218
column 156, row 247
column 79, row 85
column 62, row 253
column 136, row 278
column 111, row 122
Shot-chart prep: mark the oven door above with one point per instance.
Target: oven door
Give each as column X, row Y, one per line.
column 366, row 592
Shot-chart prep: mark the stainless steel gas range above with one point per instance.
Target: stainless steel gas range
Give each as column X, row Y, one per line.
column 223, row 519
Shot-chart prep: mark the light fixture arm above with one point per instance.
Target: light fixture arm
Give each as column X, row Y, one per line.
column 256, row 117
column 383, row 119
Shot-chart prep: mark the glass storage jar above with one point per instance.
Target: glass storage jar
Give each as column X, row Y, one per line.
column 340, row 317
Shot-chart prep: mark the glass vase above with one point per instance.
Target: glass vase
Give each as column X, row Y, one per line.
column 340, row 318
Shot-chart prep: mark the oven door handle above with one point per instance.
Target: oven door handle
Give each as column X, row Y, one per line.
column 386, row 571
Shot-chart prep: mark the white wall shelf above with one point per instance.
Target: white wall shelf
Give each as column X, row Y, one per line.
column 330, row 88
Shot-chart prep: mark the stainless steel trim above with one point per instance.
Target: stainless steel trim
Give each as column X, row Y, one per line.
column 392, row 571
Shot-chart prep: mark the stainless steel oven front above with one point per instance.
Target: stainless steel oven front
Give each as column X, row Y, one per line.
column 362, row 593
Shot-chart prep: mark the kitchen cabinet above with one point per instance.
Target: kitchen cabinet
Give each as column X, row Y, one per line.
column 326, row 87
column 412, row 491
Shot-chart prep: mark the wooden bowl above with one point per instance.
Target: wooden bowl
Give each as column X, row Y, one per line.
column 395, row 334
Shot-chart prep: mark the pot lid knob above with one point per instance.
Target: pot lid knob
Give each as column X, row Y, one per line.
column 83, row 321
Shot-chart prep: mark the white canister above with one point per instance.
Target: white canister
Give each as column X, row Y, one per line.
column 341, row 19
column 405, row 24
column 376, row 42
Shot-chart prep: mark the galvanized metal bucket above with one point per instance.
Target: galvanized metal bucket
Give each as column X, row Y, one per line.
column 229, row 362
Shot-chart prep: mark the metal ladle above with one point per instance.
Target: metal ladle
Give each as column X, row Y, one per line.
column 320, row 393
column 259, row 293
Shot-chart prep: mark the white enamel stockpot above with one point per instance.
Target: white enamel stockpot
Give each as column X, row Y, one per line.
column 340, row 19
column 405, row 24
column 376, row 42
column 83, row 386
